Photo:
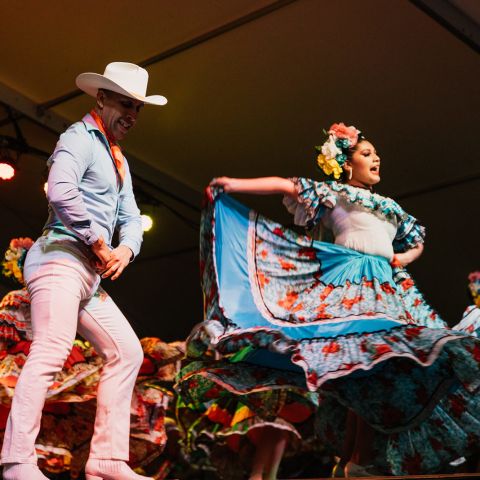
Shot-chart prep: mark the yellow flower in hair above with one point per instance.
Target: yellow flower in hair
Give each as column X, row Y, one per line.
column 322, row 162
column 17, row 273
column 8, row 268
column 329, row 166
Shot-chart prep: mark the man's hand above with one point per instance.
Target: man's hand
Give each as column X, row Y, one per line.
column 102, row 252
column 120, row 257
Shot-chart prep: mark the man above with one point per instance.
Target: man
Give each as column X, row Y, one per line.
column 90, row 195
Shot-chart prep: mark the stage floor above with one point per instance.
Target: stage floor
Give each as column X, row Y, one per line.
column 453, row 476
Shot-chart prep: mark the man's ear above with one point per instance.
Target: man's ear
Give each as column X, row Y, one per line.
column 100, row 99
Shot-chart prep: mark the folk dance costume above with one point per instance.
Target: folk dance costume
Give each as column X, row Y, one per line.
column 226, row 431
column 284, row 310
column 67, row 422
column 470, row 322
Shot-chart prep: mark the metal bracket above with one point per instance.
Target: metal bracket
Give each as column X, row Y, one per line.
column 447, row 14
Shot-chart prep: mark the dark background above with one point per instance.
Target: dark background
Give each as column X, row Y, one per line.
column 251, row 101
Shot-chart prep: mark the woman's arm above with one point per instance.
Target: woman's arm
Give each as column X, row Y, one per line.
column 261, row 186
column 405, row 258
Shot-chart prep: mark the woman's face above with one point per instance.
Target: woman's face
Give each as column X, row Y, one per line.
column 365, row 166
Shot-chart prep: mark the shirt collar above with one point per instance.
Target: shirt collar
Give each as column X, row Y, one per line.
column 90, row 123
column 91, row 126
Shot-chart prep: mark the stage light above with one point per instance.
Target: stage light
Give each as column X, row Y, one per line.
column 7, row 165
column 7, row 171
column 147, row 222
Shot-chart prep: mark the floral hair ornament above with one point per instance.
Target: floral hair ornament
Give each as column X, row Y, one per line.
column 474, row 287
column 333, row 153
column 12, row 265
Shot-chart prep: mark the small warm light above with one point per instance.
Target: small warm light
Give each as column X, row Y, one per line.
column 7, row 172
column 45, row 187
column 147, row 222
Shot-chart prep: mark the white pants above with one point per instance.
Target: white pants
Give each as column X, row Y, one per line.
column 62, row 286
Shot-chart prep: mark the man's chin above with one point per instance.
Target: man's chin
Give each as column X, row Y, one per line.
column 119, row 135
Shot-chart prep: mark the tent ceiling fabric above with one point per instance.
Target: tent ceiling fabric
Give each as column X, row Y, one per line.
column 470, row 8
column 254, row 101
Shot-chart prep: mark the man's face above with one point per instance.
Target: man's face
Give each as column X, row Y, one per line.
column 118, row 112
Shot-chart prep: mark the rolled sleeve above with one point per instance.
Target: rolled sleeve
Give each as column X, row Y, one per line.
column 129, row 221
column 68, row 164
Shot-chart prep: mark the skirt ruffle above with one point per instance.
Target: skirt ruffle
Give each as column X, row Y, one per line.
column 230, row 423
column 449, row 432
column 285, row 311
column 15, row 325
column 285, row 410
column 470, row 322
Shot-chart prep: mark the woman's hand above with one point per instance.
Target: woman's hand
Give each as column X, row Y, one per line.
column 226, row 183
column 405, row 258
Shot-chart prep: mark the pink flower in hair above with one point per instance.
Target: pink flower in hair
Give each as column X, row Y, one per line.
column 474, row 277
column 12, row 264
column 341, row 131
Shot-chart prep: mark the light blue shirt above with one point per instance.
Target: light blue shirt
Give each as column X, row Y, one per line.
column 85, row 196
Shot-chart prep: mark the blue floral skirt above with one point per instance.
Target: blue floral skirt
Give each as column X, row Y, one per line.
column 470, row 322
column 285, row 311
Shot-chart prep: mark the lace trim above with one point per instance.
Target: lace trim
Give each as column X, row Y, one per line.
column 326, row 193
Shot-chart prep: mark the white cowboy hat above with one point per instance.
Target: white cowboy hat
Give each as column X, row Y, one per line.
column 121, row 77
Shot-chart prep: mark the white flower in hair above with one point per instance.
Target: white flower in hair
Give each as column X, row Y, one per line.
column 330, row 149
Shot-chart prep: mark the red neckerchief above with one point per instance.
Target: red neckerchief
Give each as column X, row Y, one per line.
column 115, row 149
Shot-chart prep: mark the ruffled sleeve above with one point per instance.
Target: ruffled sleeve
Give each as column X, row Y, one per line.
column 409, row 234
column 312, row 200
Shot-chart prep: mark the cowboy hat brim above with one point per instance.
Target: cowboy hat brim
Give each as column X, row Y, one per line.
column 90, row 83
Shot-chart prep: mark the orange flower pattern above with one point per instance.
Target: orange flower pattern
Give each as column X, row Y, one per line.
column 409, row 377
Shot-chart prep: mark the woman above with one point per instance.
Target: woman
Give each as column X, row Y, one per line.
column 341, row 318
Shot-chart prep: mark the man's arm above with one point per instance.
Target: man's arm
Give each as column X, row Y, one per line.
column 130, row 231
column 129, row 221
column 68, row 164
